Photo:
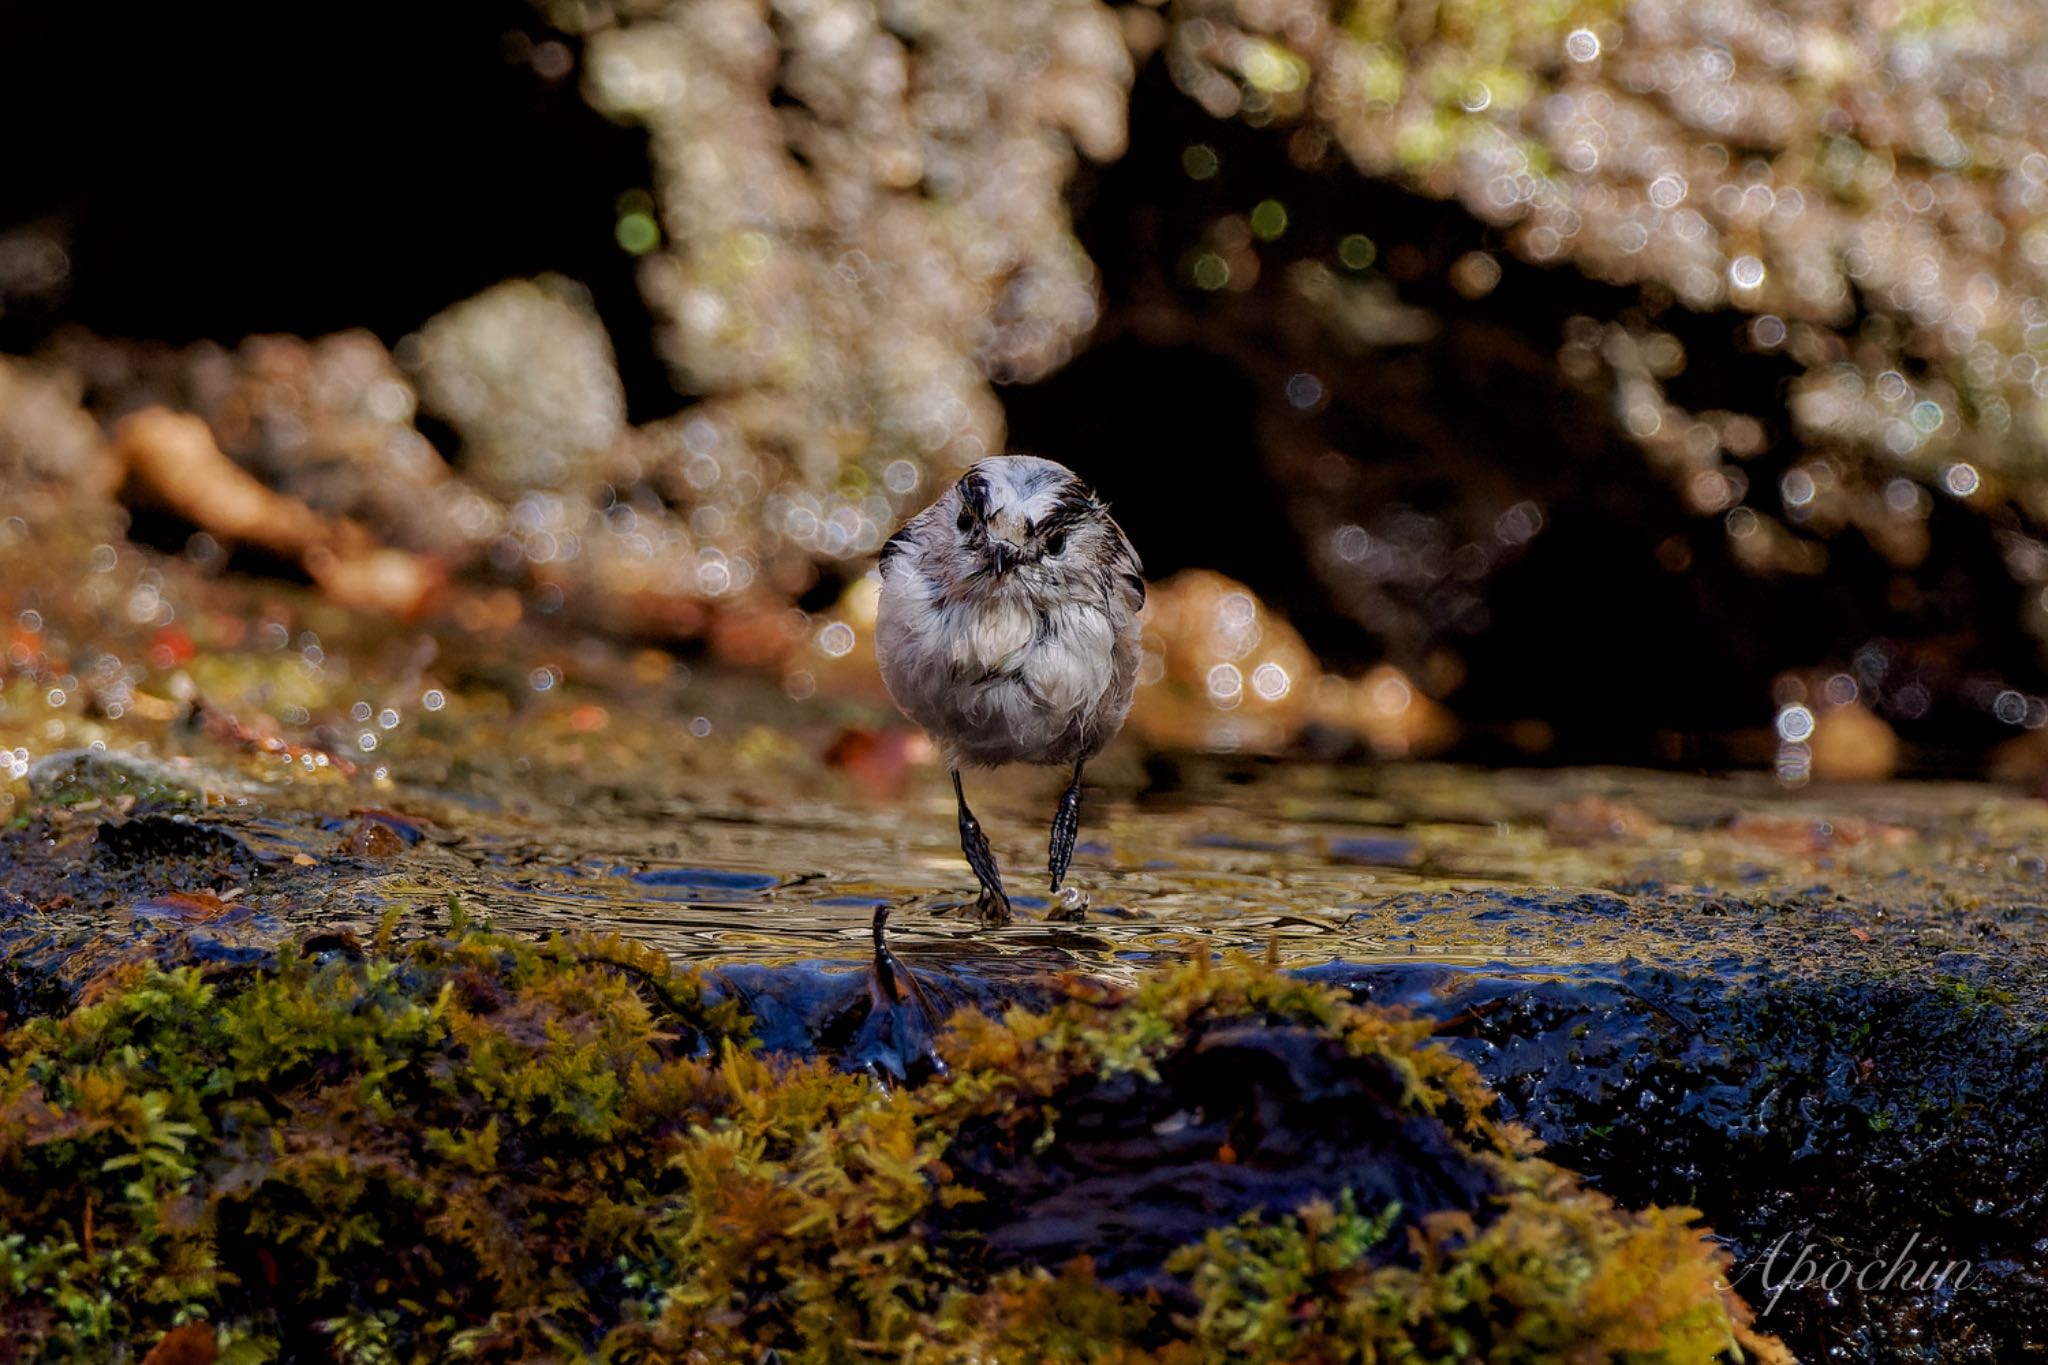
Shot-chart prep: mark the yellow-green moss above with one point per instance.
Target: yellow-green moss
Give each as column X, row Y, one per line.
column 476, row 1148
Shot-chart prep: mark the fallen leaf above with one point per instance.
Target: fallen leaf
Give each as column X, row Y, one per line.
column 193, row 1343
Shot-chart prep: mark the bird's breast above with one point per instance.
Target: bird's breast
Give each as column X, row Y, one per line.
column 991, row 637
column 1069, row 663
column 1003, row 679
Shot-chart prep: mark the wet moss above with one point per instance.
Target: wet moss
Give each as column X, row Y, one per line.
column 472, row 1146
column 88, row 778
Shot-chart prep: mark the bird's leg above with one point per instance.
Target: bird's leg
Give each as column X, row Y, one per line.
column 1066, row 827
column 993, row 904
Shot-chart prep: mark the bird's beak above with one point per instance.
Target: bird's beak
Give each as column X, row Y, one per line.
column 1002, row 557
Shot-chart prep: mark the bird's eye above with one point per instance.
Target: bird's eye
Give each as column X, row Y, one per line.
column 1056, row 542
column 966, row 520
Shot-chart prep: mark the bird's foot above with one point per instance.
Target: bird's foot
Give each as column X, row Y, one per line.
column 1066, row 829
column 1070, row 906
column 992, row 907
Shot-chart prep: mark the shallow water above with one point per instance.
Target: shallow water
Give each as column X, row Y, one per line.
column 553, row 781
column 1538, row 873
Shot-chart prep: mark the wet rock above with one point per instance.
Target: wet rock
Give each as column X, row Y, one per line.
column 778, row 1191
column 524, row 373
column 75, row 776
column 1839, row 1111
column 379, row 834
column 175, row 458
column 1242, row 1118
column 1387, row 710
column 1852, row 744
column 175, row 850
column 1868, row 166
column 1224, row 671
column 52, row 961
column 1220, row 670
column 883, row 1019
column 46, row 436
column 330, row 421
column 842, row 256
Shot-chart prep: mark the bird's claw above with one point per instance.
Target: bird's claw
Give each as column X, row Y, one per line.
column 992, row 906
column 992, row 903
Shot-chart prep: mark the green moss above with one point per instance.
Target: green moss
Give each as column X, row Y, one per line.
column 1972, row 996
column 471, row 1147
column 85, row 779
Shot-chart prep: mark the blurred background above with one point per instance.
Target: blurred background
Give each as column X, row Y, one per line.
column 1661, row 383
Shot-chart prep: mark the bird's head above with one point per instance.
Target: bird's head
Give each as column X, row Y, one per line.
column 1017, row 516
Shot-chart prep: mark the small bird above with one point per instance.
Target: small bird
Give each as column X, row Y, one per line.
column 1008, row 629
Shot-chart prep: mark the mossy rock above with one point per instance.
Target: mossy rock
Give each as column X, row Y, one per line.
column 475, row 1147
column 81, row 777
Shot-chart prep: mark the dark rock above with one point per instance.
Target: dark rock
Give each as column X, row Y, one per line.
column 1861, row 1118
column 1244, row 1117
column 174, row 850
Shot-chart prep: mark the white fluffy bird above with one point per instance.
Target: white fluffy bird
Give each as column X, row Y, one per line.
column 1008, row 629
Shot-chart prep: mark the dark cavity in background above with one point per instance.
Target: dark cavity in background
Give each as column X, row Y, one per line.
column 1178, row 415
column 234, row 168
